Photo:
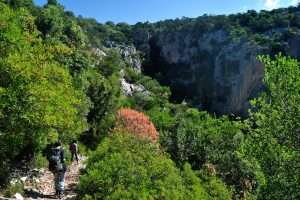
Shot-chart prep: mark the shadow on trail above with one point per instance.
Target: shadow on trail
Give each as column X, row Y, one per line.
column 44, row 189
column 36, row 195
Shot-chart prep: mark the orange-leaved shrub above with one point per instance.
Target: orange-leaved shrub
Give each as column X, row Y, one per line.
column 136, row 123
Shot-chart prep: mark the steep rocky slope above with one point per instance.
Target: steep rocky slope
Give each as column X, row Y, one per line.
column 214, row 68
column 210, row 71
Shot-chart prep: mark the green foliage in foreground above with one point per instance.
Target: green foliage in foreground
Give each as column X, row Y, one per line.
column 124, row 167
column 274, row 143
column 38, row 102
column 53, row 87
column 200, row 139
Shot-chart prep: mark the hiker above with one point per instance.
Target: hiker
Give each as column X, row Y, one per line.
column 57, row 166
column 74, row 150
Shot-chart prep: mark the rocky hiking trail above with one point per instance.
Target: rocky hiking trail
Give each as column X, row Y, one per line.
column 45, row 187
column 42, row 185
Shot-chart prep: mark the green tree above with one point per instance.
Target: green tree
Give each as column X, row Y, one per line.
column 56, row 25
column 38, row 101
column 51, row 22
column 200, row 139
column 20, row 3
column 124, row 167
column 274, row 141
column 103, row 106
column 102, row 86
column 52, row 2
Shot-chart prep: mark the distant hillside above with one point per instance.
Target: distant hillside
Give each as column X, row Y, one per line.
column 210, row 61
column 65, row 78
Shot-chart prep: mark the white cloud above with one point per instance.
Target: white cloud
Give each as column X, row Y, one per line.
column 295, row 2
column 245, row 8
column 272, row 4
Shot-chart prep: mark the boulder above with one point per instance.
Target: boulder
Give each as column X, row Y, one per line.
column 18, row 196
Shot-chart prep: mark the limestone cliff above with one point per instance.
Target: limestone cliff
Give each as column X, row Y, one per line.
column 212, row 70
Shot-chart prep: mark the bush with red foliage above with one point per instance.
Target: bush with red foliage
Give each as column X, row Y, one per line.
column 136, row 123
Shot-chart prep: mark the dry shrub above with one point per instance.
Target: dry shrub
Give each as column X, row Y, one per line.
column 136, row 123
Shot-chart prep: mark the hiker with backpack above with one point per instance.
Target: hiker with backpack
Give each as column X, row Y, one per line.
column 57, row 166
column 74, row 150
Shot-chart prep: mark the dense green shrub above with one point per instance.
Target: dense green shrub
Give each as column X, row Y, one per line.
column 53, row 87
column 103, row 103
column 195, row 137
column 274, row 140
column 215, row 187
column 124, row 167
column 103, row 34
column 55, row 25
column 13, row 188
column 200, row 139
column 131, row 75
column 38, row 101
column 153, row 98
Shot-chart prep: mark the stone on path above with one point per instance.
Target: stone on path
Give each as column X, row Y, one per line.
column 45, row 185
column 19, row 196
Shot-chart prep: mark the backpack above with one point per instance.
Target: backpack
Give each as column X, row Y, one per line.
column 73, row 148
column 55, row 163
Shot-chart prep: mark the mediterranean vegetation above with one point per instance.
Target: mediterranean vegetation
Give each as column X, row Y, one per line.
column 55, row 85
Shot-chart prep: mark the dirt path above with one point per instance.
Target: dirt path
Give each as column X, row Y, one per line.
column 45, row 186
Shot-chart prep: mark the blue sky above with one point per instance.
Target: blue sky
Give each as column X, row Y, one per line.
column 132, row 11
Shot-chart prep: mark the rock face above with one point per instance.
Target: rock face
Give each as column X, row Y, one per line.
column 210, row 70
column 131, row 58
column 129, row 89
column 293, row 47
column 100, row 54
column 129, row 54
